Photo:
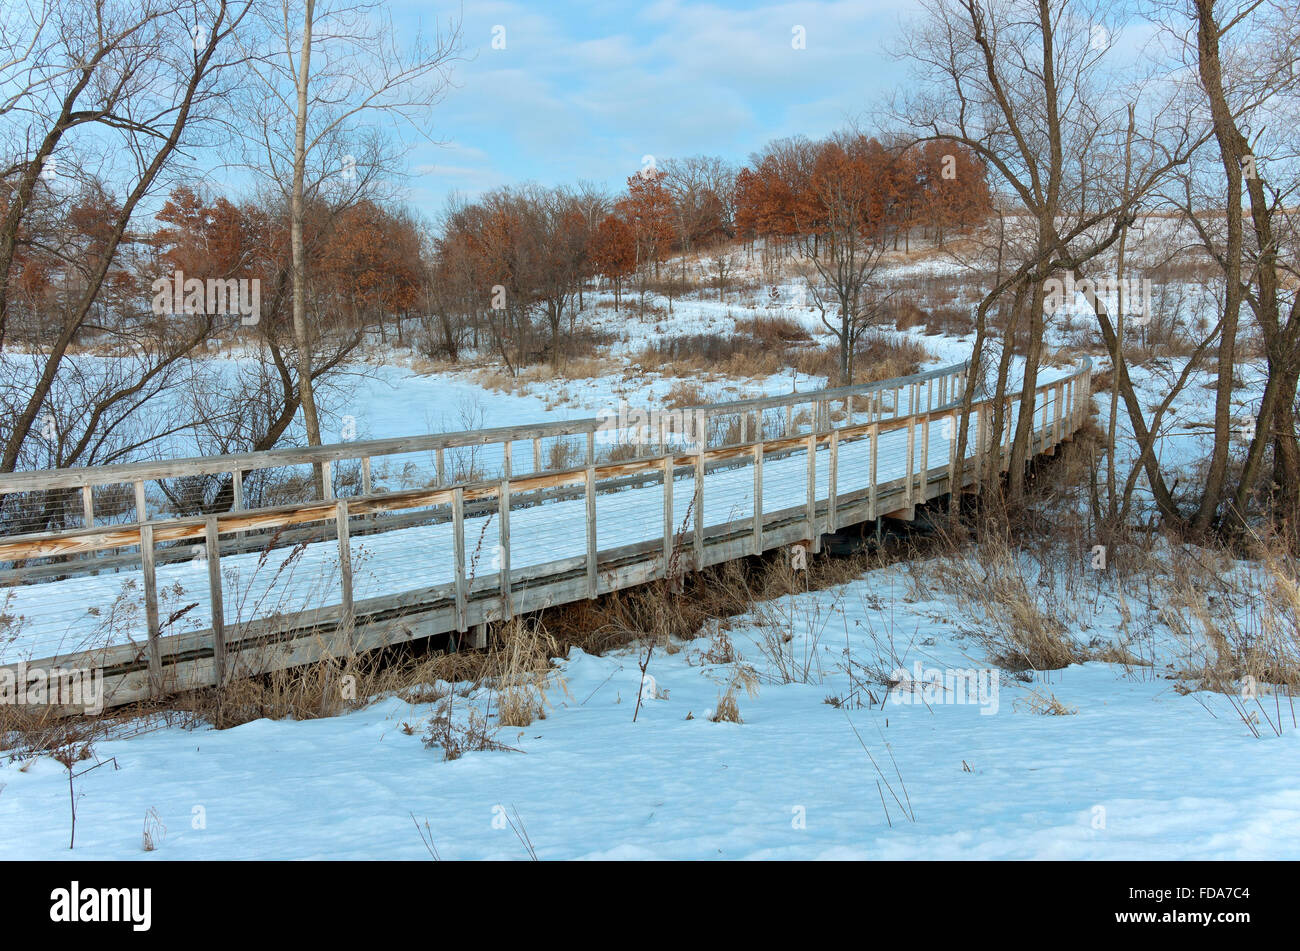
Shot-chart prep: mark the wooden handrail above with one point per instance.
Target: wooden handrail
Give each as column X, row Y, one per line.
column 131, row 472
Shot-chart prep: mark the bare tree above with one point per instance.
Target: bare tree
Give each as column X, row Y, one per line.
column 336, row 66
column 1021, row 83
column 1245, row 56
column 841, row 231
column 136, row 77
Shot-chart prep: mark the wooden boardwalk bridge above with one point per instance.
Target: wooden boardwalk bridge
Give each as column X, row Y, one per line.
column 182, row 573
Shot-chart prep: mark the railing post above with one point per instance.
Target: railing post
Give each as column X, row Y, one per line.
column 346, row 618
column 1047, row 426
column 88, row 506
column 699, row 510
column 212, row 544
column 537, row 453
column 151, row 608
column 589, row 480
column 758, row 498
column 237, row 494
column 503, row 549
column 1085, row 395
column 458, row 544
column 327, row 481
column 872, row 512
column 911, row 460
column 1057, row 416
column 141, row 507
column 668, row 512
column 952, row 450
column 833, row 484
column 925, row 459
column 813, row 535
column 365, row 475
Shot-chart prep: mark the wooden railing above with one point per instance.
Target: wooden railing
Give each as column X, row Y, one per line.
column 182, row 599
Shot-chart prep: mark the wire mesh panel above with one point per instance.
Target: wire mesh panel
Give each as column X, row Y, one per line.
column 50, row 510
column 288, row 573
column 564, row 451
column 404, row 550
column 281, row 485
column 623, row 517
column 81, row 609
column 408, row 470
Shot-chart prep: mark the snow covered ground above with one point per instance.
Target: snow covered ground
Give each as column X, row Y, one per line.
column 1136, row 767
column 1139, row 771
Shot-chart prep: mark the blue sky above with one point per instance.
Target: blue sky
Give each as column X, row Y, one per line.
column 584, row 90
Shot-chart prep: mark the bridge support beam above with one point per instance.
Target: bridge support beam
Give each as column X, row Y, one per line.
column 906, row 514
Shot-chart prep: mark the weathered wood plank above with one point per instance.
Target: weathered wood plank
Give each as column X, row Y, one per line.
column 216, row 598
column 151, row 608
column 458, row 534
column 503, row 551
column 699, row 512
column 344, row 535
column 592, row 553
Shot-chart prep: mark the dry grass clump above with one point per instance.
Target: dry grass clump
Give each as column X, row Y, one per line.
column 562, row 454
column 1045, row 704
column 1222, row 619
column 457, row 737
column 777, row 623
column 154, row 831
column 712, row 356
column 662, row 613
column 773, row 331
column 727, row 710
column 878, row 357
column 520, row 672
column 575, row 368
column 330, row 687
column 684, row 393
column 1238, row 620
column 29, row 730
column 906, row 315
column 720, row 649
column 1020, row 628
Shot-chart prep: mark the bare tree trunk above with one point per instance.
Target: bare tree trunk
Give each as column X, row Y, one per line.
column 1231, row 148
column 1020, row 442
column 1112, row 495
column 301, row 337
